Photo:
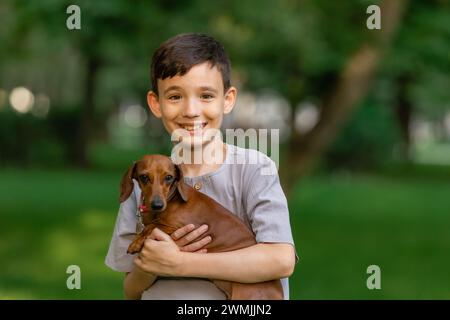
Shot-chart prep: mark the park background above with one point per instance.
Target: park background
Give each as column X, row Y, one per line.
column 364, row 119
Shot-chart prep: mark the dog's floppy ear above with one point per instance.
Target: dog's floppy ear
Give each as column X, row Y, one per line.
column 126, row 185
column 180, row 184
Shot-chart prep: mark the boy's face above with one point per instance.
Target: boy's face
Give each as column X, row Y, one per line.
column 194, row 102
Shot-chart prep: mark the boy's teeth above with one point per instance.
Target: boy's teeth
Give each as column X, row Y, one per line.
column 196, row 127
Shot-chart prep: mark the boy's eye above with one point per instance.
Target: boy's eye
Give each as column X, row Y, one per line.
column 144, row 179
column 207, row 96
column 175, row 97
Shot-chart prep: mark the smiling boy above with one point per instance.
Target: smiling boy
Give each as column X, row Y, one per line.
column 191, row 92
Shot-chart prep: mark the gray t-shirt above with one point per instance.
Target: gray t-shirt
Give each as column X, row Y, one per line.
column 248, row 185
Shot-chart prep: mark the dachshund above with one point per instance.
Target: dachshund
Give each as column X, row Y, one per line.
column 168, row 203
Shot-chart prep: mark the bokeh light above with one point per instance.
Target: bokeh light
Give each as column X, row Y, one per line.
column 41, row 106
column 21, row 99
column 135, row 116
column 447, row 124
column 306, row 117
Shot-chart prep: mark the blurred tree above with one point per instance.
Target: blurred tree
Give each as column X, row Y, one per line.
column 413, row 81
column 418, row 67
column 306, row 50
column 352, row 85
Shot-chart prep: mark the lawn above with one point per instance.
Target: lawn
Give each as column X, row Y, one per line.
column 50, row 219
column 343, row 224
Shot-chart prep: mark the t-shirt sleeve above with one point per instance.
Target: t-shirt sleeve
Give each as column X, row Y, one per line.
column 267, row 206
column 124, row 232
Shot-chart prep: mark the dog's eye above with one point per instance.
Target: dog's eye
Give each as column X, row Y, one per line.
column 143, row 178
column 168, row 178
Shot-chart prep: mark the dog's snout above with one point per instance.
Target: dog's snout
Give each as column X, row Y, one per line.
column 157, row 203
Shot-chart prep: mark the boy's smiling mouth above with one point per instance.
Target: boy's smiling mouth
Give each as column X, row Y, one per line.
column 192, row 127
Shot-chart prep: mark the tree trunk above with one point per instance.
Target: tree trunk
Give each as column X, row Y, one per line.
column 87, row 113
column 352, row 85
column 403, row 111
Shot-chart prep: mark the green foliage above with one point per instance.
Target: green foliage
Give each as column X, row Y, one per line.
column 27, row 140
column 368, row 139
column 421, row 52
column 296, row 48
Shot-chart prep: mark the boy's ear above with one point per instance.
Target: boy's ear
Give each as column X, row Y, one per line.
column 153, row 103
column 126, row 185
column 180, row 184
column 230, row 100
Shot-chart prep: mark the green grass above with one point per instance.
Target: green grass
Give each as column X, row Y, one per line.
column 342, row 224
column 50, row 220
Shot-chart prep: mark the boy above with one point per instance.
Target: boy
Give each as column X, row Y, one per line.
column 191, row 92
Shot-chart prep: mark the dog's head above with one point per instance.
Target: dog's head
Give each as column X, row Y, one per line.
column 158, row 179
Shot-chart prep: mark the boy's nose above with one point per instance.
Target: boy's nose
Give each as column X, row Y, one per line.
column 191, row 109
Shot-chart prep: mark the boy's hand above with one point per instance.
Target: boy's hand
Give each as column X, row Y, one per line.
column 160, row 255
column 185, row 238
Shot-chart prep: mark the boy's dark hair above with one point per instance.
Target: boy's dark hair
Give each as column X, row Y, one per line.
column 179, row 54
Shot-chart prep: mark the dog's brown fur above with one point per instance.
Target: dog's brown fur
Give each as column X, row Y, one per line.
column 189, row 206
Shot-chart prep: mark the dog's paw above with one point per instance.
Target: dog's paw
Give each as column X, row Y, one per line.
column 134, row 248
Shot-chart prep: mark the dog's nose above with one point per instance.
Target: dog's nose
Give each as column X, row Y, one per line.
column 157, row 204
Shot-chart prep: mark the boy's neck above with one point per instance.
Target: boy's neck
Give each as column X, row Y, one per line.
column 194, row 170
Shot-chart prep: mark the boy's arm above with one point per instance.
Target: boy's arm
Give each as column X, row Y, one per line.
column 261, row 262
column 136, row 282
column 258, row 263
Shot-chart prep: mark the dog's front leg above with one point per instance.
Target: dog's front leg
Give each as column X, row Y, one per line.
column 138, row 242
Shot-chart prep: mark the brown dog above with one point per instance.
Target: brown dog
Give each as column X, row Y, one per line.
column 168, row 204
